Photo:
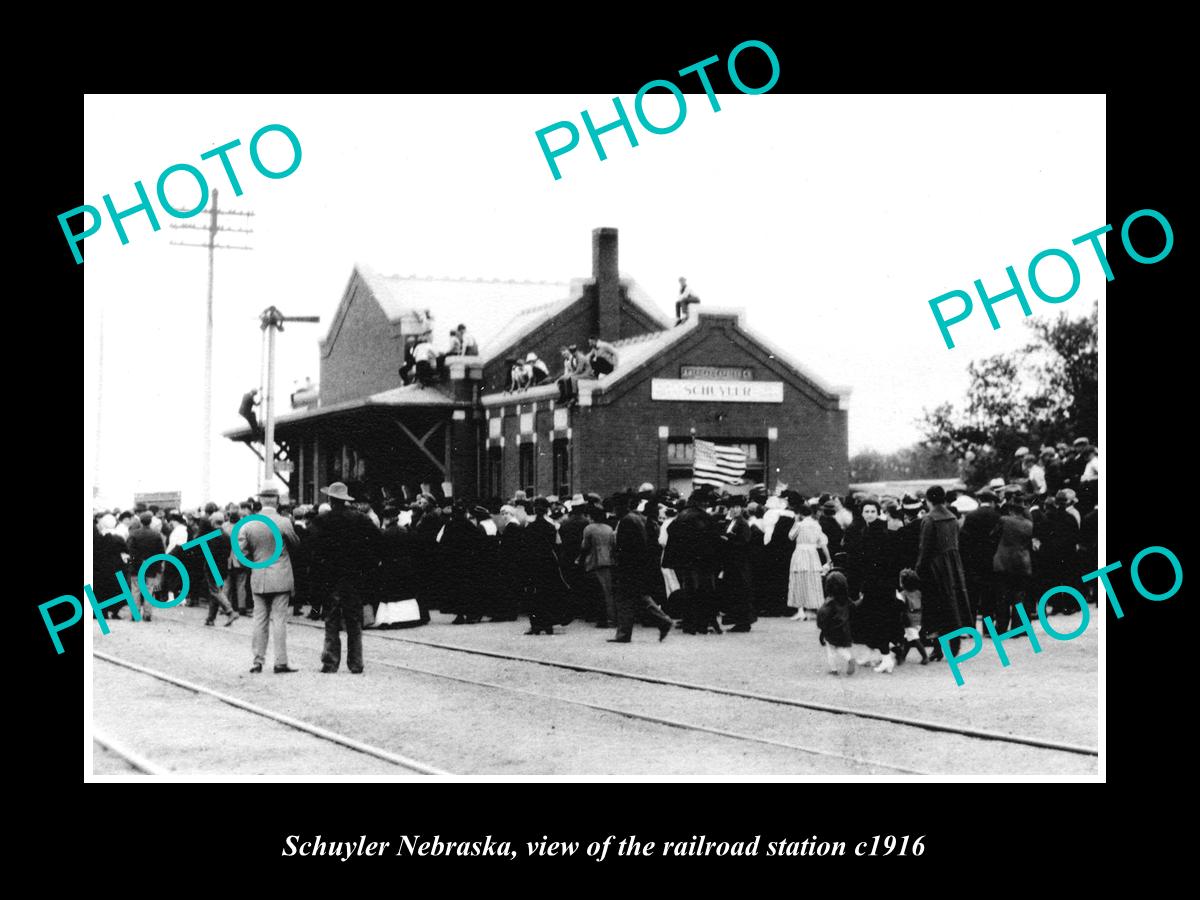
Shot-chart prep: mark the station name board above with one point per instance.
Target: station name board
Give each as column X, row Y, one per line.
column 716, row 373
column 162, row 499
column 712, row 391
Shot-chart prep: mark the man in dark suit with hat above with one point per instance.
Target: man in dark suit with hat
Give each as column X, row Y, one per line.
column 977, row 545
column 345, row 554
column 633, row 591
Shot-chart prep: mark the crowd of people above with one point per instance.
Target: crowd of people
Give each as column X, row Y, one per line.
column 883, row 576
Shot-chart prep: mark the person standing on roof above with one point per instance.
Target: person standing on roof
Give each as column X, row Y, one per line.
column 246, row 411
column 686, row 299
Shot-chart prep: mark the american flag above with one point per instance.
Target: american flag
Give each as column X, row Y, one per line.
column 714, row 464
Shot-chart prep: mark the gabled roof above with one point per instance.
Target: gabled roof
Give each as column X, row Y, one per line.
column 498, row 313
column 633, row 353
column 486, row 307
column 527, row 321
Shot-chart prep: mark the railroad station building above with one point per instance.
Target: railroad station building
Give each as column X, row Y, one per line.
column 467, row 436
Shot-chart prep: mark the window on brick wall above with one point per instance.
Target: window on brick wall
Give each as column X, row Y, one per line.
column 495, row 470
column 681, row 452
column 334, row 463
column 562, row 467
column 526, row 472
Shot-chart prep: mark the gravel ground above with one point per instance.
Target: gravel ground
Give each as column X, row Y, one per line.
column 206, row 736
column 1051, row 695
column 476, row 730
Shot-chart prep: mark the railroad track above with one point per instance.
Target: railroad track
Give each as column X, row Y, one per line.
column 131, row 758
column 924, row 724
column 856, row 761
column 631, row 714
column 296, row 724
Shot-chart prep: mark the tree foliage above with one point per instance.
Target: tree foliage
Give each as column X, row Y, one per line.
column 917, row 461
column 1043, row 393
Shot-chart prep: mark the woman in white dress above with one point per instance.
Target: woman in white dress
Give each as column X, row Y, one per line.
column 805, row 592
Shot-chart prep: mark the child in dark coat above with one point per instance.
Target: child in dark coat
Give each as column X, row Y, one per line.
column 833, row 620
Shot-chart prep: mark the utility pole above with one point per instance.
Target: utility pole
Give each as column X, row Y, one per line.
column 271, row 321
column 99, row 411
column 212, row 228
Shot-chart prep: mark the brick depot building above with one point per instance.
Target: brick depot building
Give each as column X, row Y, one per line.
column 710, row 378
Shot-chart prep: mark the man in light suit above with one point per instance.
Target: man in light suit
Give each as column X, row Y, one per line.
column 271, row 586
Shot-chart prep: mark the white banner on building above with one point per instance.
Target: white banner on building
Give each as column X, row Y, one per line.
column 716, row 391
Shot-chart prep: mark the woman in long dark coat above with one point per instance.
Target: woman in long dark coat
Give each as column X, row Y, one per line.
column 737, row 576
column 509, row 588
column 464, row 585
column 108, row 552
column 544, row 588
column 943, row 581
column 874, row 620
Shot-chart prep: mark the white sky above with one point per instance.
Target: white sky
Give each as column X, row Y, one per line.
column 831, row 220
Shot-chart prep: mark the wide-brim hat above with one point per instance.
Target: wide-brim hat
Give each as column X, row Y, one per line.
column 910, row 502
column 986, row 496
column 1081, row 442
column 270, row 488
column 997, row 482
column 337, row 491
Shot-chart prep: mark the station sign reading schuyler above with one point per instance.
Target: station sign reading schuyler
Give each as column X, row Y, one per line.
column 716, row 391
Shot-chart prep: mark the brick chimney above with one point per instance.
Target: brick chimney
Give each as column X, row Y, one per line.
column 608, row 289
